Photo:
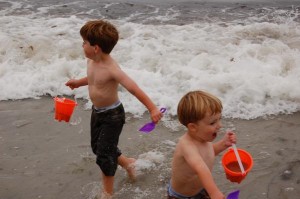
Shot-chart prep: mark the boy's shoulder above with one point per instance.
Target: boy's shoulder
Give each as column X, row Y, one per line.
column 108, row 63
column 185, row 142
column 185, row 139
column 112, row 64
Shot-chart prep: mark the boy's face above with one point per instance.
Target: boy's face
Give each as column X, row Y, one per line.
column 89, row 51
column 206, row 129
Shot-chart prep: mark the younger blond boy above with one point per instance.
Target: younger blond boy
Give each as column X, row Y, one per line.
column 194, row 155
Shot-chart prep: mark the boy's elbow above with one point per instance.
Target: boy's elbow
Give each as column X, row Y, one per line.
column 132, row 92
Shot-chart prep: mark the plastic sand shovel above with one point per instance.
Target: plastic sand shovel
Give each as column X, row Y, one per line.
column 238, row 158
column 233, row 195
column 147, row 128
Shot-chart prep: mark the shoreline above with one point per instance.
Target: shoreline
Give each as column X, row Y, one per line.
column 43, row 158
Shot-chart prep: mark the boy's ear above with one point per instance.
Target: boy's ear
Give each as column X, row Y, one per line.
column 192, row 127
column 97, row 49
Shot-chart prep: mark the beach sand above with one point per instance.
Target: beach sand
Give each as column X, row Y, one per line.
column 43, row 158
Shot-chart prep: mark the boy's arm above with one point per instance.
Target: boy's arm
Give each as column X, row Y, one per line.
column 75, row 83
column 224, row 143
column 135, row 90
column 196, row 162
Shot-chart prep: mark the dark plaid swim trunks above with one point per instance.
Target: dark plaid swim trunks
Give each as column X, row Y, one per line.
column 106, row 127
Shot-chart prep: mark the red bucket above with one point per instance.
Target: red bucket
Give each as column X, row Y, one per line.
column 231, row 166
column 64, row 108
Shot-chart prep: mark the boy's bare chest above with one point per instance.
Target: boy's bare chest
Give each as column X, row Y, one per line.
column 207, row 154
column 99, row 76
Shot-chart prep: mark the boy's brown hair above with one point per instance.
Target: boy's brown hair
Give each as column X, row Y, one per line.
column 194, row 106
column 101, row 33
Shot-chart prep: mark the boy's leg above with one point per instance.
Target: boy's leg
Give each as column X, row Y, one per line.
column 128, row 164
column 108, row 181
column 108, row 186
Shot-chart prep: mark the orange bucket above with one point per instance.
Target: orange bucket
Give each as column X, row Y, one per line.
column 64, row 108
column 231, row 166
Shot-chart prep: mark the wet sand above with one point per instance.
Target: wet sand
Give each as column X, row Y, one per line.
column 43, row 158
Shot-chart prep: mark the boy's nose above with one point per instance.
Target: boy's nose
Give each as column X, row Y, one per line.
column 219, row 125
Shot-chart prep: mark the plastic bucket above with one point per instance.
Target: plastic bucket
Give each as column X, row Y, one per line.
column 231, row 166
column 64, row 108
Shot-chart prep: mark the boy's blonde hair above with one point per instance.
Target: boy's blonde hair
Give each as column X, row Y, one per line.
column 101, row 33
column 194, row 106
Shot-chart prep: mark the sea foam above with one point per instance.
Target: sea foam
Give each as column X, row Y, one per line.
column 251, row 66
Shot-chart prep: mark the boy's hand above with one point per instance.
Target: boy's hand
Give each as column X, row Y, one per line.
column 156, row 115
column 217, row 195
column 229, row 138
column 227, row 141
column 72, row 83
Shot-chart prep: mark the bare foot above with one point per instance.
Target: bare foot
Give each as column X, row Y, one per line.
column 105, row 195
column 130, row 168
column 128, row 164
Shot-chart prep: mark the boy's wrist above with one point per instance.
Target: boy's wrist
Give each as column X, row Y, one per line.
column 226, row 144
column 152, row 108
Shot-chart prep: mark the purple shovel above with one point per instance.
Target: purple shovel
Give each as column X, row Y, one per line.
column 147, row 128
column 233, row 195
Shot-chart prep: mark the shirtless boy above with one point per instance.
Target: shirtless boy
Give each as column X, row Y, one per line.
column 194, row 155
column 108, row 116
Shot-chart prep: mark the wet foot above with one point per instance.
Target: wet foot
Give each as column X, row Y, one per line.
column 131, row 169
column 105, row 195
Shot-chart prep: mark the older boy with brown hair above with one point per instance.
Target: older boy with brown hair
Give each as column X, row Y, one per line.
column 108, row 116
column 194, row 155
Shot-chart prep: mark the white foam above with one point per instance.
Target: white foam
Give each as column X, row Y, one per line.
column 252, row 68
column 149, row 161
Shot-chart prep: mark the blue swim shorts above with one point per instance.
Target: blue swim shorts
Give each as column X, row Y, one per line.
column 174, row 195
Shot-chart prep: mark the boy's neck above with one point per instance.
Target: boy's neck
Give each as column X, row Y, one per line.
column 101, row 57
column 197, row 139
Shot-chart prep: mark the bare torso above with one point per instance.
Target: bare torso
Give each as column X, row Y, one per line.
column 184, row 179
column 103, row 88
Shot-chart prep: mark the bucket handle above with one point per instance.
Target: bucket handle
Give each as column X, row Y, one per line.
column 238, row 159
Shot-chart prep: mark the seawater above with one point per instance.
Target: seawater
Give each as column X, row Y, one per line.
column 246, row 54
column 235, row 167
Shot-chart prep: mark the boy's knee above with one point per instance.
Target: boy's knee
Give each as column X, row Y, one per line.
column 108, row 165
